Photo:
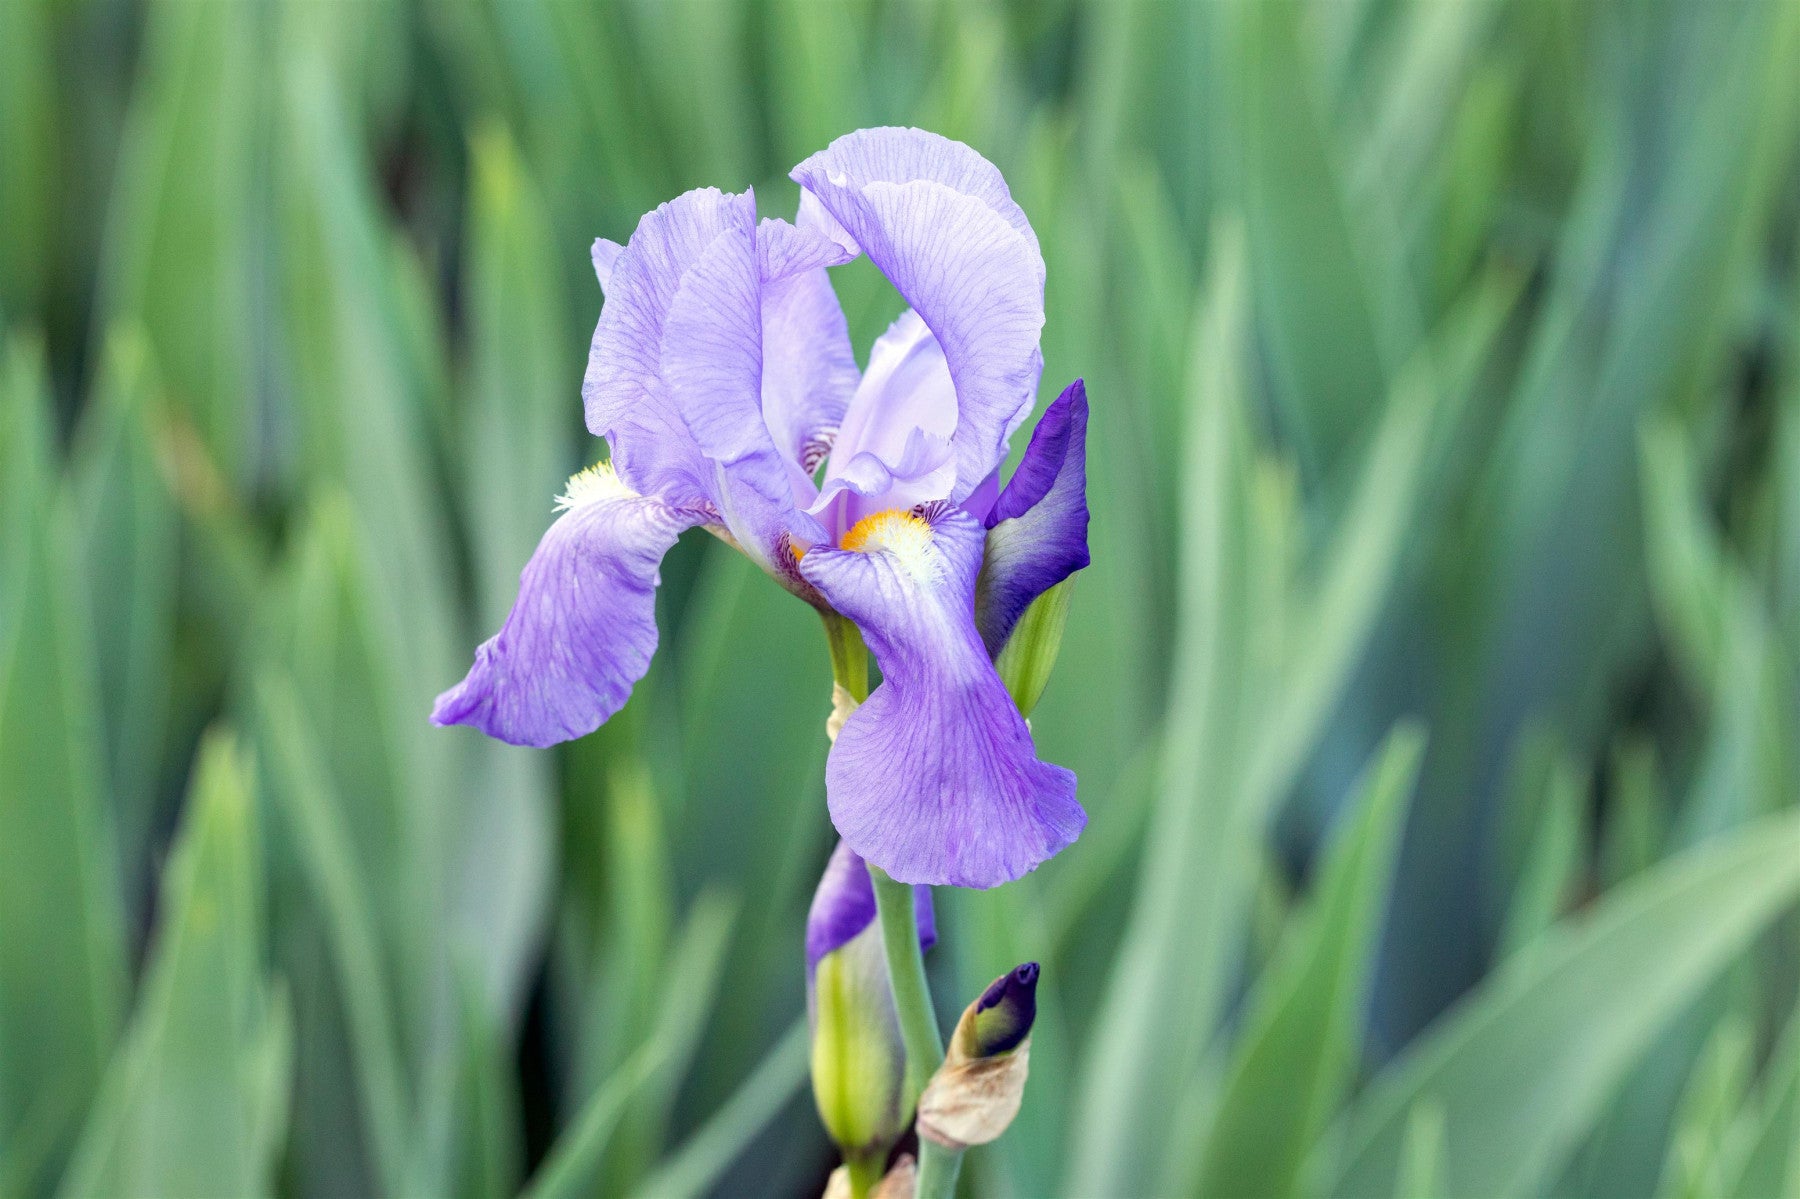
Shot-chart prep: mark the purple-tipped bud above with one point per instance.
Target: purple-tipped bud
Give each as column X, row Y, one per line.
column 977, row 1091
column 1005, row 1011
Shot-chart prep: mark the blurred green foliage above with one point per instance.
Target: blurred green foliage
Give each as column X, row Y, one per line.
column 1433, row 690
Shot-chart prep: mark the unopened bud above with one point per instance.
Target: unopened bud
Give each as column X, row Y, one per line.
column 1005, row 1011
column 975, row 1094
column 858, row 1058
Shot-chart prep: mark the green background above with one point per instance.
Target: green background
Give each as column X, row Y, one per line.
column 1433, row 690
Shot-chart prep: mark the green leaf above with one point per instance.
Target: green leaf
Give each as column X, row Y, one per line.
column 127, row 530
column 521, row 404
column 743, row 645
column 186, row 1107
column 1634, row 833
column 182, row 248
column 519, row 409
column 1316, row 258
column 1553, row 859
column 1768, row 1162
column 1422, row 1159
column 1295, row 1059
column 687, row 992
column 697, row 1166
column 62, row 950
column 1248, row 701
column 1174, row 942
column 312, row 816
column 634, row 941
column 1524, row 1066
column 1699, row 1149
column 30, row 154
column 1691, row 584
column 574, row 1161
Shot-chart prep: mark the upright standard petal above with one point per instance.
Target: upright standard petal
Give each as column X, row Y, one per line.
column 1038, row 527
column 937, row 219
column 583, row 629
column 627, row 398
column 712, row 367
column 895, row 447
column 605, row 255
column 934, row 778
column 809, row 370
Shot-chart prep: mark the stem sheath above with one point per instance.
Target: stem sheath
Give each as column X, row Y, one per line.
column 849, row 656
column 938, row 1168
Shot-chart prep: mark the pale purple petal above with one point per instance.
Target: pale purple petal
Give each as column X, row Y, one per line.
column 980, row 502
column 907, row 387
column 582, row 631
column 689, row 287
column 809, row 371
column 937, row 219
column 606, row 256
column 895, row 448
column 919, row 473
column 627, row 399
column 935, row 778
column 712, row 369
column 784, row 250
column 1038, row 527
column 844, row 905
column 813, row 218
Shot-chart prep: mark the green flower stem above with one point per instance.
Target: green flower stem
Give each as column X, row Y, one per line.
column 906, row 973
column 938, row 1168
column 865, row 1172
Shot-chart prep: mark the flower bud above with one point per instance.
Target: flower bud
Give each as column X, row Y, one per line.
column 1004, row 1013
column 1030, row 653
column 858, row 1059
column 975, row 1094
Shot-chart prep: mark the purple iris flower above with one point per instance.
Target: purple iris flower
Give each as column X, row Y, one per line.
column 721, row 375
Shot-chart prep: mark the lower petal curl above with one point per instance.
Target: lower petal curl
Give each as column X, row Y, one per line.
column 583, row 629
column 935, row 778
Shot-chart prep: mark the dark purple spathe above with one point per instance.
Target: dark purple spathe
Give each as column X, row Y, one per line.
column 1038, row 527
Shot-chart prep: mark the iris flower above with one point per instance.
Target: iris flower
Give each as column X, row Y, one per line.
column 722, row 377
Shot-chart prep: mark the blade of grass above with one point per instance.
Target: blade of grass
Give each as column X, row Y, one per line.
column 1524, row 1065
column 127, row 533
column 687, row 993
column 311, row 810
column 1296, row 1056
column 696, row 1167
column 574, row 1160
column 1698, row 1147
column 62, row 951
column 182, row 1111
